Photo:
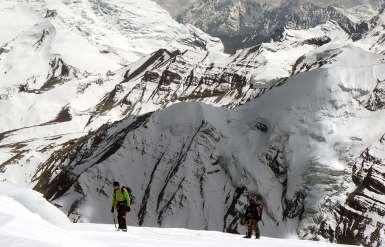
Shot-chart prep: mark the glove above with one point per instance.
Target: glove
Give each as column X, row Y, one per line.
column 112, row 210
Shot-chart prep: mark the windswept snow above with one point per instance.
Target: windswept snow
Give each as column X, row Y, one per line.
column 27, row 220
column 19, row 202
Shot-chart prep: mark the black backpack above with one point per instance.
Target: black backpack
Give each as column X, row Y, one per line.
column 254, row 211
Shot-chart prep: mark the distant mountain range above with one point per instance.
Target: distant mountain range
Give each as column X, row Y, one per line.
column 244, row 23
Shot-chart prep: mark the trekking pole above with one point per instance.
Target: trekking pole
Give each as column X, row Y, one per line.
column 113, row 216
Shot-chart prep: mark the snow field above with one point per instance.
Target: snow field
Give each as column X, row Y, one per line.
column 27, row 220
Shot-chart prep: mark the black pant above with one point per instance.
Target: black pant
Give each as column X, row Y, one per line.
column 252, row 225
column 122, row 212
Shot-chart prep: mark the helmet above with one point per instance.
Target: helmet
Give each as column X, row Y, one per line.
column 255, row 197
column 252, row 194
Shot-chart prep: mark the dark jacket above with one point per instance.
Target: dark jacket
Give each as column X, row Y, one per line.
column 254, row 211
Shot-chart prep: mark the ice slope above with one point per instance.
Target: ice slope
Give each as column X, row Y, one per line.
column 23, row 226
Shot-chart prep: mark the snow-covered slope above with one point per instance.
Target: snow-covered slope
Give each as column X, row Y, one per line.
column 61, row 59
column 40, row 121
column 70, row 29
column 22, row 226
column 40, row 117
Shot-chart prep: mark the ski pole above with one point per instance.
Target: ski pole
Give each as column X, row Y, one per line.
column 113, row 216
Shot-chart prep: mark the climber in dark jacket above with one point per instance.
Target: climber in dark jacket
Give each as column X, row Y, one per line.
column 122, row 202
column 252, row 216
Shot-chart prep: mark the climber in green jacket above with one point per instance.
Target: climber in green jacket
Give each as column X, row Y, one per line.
column 122, row 202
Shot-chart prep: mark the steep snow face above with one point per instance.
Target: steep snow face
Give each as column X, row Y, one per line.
column 296, row 152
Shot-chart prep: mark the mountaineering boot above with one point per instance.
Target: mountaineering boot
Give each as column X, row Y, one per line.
column 257, row 232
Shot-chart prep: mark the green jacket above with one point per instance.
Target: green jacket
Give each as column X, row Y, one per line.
column 120, row 195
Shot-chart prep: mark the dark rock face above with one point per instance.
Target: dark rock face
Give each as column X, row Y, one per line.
column 59, row 73
column 252, row 23
column 318, row 41
column 50, row 13
column 377, row 98
column 360, row 220
column 305, row 64
column 170, row 76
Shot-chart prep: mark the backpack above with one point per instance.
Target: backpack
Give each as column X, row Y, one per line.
column 254, row 211
column 259, row 209
column 130, row 194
